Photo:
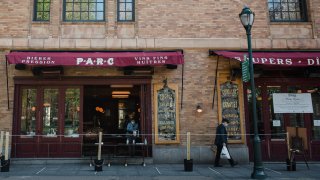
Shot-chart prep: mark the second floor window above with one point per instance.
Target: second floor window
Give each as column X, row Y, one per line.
column 125, row 10
column 83, row 10
column 41, row 10
column 287, row 10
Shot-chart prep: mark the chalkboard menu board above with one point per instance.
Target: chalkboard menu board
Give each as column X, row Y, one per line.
column 230, row 108
column 167, row 124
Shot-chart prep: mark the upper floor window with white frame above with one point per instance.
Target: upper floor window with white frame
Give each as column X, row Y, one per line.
column 83, row 10
column 287, row 10
column 126, row 10
column 41, row 10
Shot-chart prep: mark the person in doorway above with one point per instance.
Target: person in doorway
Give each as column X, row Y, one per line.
column 220, row 141
column 132, row 130
column 132, row 127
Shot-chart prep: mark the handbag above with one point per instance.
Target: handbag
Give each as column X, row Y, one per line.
column 225, row 153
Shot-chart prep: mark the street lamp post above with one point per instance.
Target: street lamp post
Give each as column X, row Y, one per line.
column 247, row 18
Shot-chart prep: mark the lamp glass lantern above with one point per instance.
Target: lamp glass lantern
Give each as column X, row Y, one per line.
column 247, row 18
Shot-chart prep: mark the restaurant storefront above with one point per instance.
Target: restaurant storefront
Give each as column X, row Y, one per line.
column 59, row 116
column 277, row 76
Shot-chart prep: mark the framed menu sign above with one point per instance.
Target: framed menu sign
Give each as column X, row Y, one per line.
column 230, row 108
column 166, row 113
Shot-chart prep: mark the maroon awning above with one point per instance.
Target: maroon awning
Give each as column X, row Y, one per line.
column 96, row 58
column 276, row 58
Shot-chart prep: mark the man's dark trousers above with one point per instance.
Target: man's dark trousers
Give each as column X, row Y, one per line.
column 217, row 160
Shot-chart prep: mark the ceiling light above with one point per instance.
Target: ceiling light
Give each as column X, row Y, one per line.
column 120, row 96
column 121, row 92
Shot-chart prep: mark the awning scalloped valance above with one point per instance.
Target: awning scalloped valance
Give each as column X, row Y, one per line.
column 100, row 59
column 286, row 58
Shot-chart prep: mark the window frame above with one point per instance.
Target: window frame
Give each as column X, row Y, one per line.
column 303, row 11
column 132, row 11
column 64, row 12
column 35, row 11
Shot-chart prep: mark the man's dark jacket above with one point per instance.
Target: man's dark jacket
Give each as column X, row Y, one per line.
column 221, row 135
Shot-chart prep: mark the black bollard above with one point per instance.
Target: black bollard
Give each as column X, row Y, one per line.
column 288, row 164
column 5, row 164
column 98, row 164
column 291, row 166
column 188, row 165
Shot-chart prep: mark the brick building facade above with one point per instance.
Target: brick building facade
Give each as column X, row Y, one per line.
column 193, row 27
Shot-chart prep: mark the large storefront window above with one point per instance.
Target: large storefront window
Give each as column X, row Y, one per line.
column 55, row 118
column 273, row 94
column 49, row 122
column 28, row 112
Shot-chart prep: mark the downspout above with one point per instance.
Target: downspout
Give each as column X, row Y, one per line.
column 7, row 77
column 182, row 74
column 215, row 83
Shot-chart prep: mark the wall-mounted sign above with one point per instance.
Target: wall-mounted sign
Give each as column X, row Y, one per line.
column 276, row 123
column 230, row 109
column 245, row 69
column 166, row 114
column 292, row 103
column 316, row 122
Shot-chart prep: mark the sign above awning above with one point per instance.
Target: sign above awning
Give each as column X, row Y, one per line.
column 100, row 59
column 295, row 58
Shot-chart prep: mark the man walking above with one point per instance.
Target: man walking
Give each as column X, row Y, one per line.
column 220, row 141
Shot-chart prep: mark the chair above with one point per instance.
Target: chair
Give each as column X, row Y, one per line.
column 297, row 148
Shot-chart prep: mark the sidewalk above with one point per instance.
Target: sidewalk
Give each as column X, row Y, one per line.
column 155, row 172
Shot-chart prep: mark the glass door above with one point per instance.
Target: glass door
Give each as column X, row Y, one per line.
column 28, row 124
column 72, row 108
column 50, row 112
column 276, row 127
column 48, row 123
column 313, row 123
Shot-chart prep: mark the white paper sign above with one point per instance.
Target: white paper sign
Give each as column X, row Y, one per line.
column 276, row 123
column 316, row 122
column 292, row 103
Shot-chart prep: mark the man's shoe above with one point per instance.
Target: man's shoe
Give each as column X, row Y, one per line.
column 234, row 164
column 217, row 165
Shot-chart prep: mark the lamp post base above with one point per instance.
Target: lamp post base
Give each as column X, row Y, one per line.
column 258, row 173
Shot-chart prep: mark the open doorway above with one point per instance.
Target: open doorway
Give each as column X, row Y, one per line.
column 107, row 108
